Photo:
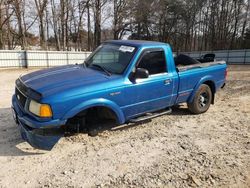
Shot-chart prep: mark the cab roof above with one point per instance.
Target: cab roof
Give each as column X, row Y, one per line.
column 136, row 43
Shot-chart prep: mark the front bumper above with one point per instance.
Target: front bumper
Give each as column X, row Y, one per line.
column 40, row 135
column 39, row 141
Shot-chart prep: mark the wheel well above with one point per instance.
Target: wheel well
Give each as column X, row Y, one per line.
column 101, row 112
column 92, row 116
column 212, row 87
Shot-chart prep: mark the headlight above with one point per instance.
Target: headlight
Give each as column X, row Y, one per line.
column 41, row 110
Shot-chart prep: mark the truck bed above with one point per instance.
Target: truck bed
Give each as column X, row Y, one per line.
column 181, row 68
column 191, row 76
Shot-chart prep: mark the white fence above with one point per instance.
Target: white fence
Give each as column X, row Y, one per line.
column 230, row 56
column 11, row 58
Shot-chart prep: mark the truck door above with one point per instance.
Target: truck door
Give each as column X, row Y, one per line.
column 152, row 93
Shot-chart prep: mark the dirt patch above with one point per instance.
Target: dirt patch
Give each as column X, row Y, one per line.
column 177, row 150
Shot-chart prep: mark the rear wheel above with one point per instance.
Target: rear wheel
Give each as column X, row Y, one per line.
column 202, row 100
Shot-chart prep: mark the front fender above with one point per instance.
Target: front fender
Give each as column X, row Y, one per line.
column 93, row 103
column 201, row 81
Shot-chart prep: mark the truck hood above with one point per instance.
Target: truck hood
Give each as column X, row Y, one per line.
column 50, row 81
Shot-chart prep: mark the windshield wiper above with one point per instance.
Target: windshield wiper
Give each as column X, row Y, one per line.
column 102, row 68
column 85, row 64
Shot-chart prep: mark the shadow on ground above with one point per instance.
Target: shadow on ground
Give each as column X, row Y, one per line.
column 180, row 111
column 176, row 111
column 10, row 138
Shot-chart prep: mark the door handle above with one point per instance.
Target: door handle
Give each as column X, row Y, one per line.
column 168, row 81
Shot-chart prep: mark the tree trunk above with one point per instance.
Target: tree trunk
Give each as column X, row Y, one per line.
column 55, row 25
column 245, row 22
column 21, row 32
column 89, row 27
column 97, row 32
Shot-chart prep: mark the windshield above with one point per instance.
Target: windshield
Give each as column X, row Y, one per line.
column 111, row 58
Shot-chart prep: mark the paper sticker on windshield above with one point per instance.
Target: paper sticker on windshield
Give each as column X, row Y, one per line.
column 126, row 49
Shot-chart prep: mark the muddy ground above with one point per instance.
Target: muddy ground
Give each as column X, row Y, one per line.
column 177, row 150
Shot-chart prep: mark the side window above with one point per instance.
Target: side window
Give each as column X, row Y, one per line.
column 154, row 62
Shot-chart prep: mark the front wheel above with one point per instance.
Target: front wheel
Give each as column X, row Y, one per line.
column 202, row 100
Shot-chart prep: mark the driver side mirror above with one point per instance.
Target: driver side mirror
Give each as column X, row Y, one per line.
column 141, row 73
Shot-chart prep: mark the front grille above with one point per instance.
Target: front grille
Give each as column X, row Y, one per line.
column 21, row 98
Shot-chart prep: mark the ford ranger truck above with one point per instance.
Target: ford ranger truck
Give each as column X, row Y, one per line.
column 122, row 81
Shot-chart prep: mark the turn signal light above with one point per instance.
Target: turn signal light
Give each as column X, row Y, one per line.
column 45, row 111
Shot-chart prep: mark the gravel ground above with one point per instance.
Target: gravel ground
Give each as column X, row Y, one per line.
column 177, row 150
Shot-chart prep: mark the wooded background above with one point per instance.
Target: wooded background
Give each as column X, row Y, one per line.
column 82, row 25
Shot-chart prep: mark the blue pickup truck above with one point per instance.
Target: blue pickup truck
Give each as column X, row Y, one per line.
column 121, row 81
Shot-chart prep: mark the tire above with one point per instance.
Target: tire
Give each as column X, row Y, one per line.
column 202, row 100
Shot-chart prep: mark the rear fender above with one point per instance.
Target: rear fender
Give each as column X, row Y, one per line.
column 202, row 80
column 96, row 102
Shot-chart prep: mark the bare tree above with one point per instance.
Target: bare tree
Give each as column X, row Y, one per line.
column 246, row 17
column 41, row 8
column 83, row 24
column 54, row 24
column 89, row 26
column 120, row 20
column 5, row 14
column 19, row 6
column 97, row 6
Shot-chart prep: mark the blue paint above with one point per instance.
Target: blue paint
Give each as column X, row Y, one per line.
column 74, row 88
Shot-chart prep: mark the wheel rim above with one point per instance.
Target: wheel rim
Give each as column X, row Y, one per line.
column 203, row 99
